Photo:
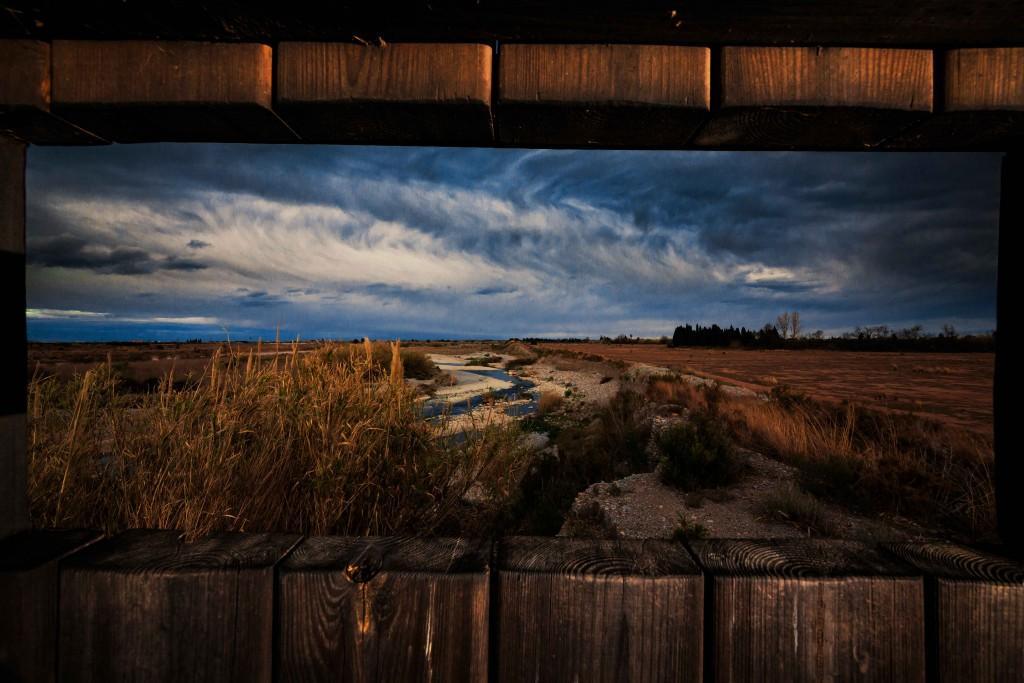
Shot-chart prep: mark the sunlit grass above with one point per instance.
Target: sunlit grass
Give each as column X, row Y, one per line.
column 331, row 441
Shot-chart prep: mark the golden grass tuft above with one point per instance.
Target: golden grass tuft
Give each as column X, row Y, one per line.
column 316, row 443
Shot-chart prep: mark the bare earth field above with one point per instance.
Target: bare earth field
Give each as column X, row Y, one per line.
column 955, row 388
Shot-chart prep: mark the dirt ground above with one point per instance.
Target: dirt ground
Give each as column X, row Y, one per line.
column 953, row 387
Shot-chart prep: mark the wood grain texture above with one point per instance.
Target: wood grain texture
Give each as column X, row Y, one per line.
column 614, row 95
column 28, row 593
column 12, row 195
column 147, row 606
column 135, row 91
column 419, row 93
column 25, row 97
column 976, row 617
column 800, row 610
column 572, row 609
column 983, row 104
column 818, row 98
column 384, row 609
column 985, row 79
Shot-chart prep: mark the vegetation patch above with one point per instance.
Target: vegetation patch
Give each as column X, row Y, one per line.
column 697, row 454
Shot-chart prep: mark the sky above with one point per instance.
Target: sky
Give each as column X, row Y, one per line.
column 179, row 241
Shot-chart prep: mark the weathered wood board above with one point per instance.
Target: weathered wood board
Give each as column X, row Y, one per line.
column 13, row 472
column 810, row 610
column 601, row 95
column 145, row 605
column 976, row 619
column 398, row 93
column 384, row 609
column 585, row 610
column 152, row 91
column 28, row 592
column 25, row 97
column 982, row 104
column 818, row 98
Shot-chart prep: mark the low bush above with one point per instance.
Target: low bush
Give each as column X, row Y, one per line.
column 697, row 454
column 794, row 506
column 549, row 402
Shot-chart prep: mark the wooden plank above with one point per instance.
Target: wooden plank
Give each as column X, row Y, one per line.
column 573, row 609
column 25, row 97
column 983, row 103
column 384, row 609
column 811, row 610
column 818, row 98
column 145, row 605
column 28, row 592
column 149, row 91
column 604, row 95
column 752, row 22
column 13, row 473
column 393, row 94
column 1009, row 467
column 976, row 616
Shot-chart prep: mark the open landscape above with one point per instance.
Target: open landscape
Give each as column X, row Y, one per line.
column 497, row 437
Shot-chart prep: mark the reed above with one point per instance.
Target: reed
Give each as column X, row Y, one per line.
column 330, row 441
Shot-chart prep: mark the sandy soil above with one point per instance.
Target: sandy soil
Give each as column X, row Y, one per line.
column 953, row 387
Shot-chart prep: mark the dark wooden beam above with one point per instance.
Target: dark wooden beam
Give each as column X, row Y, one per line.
column 146, row 605
column 982, row 105
column 1009, row 466
column 13, row 465
column 976, row 611
column 601, row 95
column 384, row 609
column 395, row 93
column 25, row 97
column 807, row 610
column 697, row 22
column 583, row 610
column 28, row 592
column 149, row 91
column 817, row 98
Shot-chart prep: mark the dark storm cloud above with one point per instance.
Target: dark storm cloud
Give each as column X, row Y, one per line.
column 551, row 241
column 68, row 251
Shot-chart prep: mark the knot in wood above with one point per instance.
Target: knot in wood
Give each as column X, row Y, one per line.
column 365, row 565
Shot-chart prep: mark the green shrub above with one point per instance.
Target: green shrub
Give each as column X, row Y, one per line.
column 697, row 454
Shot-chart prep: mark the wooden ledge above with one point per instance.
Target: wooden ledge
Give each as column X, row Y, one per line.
column 983, row 103
column 598, row 610
column 818, row 98
column 145, row 605
column 28, row 591
column 384, row 609
column 977, row 610
column 151, row 91
column 607, row 95
column 411, row 93
column 812, row 610
column 25, row 97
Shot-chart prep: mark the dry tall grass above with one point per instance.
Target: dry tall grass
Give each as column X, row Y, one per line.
column 323, row 442
column 863, row 458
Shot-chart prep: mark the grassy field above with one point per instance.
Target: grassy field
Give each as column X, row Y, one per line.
column 955, row 388
column 330, row 440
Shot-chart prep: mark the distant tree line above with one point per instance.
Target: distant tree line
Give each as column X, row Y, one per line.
column 786, row 332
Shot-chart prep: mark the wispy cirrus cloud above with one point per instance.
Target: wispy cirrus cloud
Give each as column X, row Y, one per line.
column 337, row 241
